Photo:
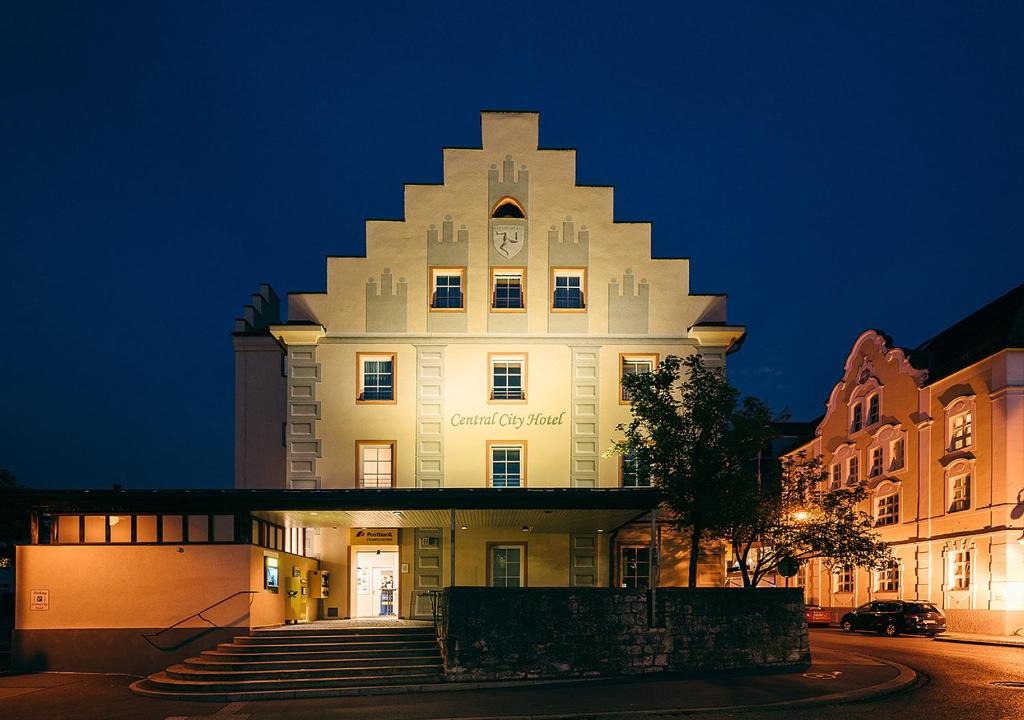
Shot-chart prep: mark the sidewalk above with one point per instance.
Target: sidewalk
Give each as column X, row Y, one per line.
column 834, row 677
column 977, row 639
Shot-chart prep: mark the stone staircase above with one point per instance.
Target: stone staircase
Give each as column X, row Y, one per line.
column 299, row 662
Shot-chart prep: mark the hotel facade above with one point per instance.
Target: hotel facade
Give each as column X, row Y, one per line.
column 938, row 434
column 441, row 414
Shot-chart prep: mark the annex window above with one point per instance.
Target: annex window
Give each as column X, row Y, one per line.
column 634, row 365
column 873, row 409
column 630, row 472
column 376, row 377
column 635, row 567
column 508, row 289
column 960, row 492
column 876, row 462
column 448, row 288
column 837, row 475
column 508, row 207
column 844, row 580
column 960, row 431
column 853, row 471
column 897, row 451
column 508, row 377
column 506, row 464
column 889, row 579
column 887, row 509
column 858, row 418
column 569, row 289
column 960, row 570
column 375, row 463
column 507, row 565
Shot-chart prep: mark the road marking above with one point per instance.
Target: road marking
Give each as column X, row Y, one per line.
column 228, row 712
column 823, row 675
column 230, row 708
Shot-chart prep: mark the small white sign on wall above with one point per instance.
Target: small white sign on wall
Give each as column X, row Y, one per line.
column 40, row 600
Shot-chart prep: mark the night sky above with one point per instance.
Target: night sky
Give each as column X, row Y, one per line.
column 831, row 167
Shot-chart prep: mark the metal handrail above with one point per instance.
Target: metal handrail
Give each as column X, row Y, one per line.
column 213, row 626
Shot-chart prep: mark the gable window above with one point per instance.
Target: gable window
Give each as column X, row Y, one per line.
column 844, row 580
column 873, row 409
column 853, row 472
column 634, row 365
column 837, row 475
column 887, row 510
column 508, row 289
column 960, row 431
column 506, row 464
column 375, row 463
column 635, row 567
column 897, row 451
column 508, row 377
column 889, row 579
column 630, row 472
column 507, row 564
column 376, row 377
column 569, row 289
column 876, row 462
column 447, row 288
column 960, row 492
column 960, row 570
column 858, row 418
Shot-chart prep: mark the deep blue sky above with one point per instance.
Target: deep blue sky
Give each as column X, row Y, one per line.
column 831, row 167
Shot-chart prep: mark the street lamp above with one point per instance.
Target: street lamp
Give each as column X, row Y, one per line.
column 800, row 515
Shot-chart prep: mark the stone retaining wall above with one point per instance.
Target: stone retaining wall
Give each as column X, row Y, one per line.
column 511, row 633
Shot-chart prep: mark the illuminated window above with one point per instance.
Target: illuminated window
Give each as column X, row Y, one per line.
column 508, row 377
column 376, row 377
column 634, row 365
column 960, row 492
column 569, row 289
column 897, row 451
column 508, row 208
column 630, row 472
column 635, row 567
column 876, row 462
column 960, row 570
column 508, row 289
column 507, row 465
column 873, row 409
column 447, row 288
column 853, row 472
column 844, row 580
column 376, row 461
column 858, row 418
column 960, row 432
column 507, row 565
column 889, row 579
column 887, row 510
column 837, row 475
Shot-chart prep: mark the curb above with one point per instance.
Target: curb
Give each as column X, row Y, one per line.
column 973, row 641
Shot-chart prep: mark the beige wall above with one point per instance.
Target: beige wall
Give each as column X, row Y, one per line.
column 267, row 606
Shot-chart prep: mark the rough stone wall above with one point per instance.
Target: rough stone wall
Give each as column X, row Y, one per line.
column 500, row 634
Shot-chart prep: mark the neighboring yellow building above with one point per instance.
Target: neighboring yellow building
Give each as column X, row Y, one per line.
column 938, row 433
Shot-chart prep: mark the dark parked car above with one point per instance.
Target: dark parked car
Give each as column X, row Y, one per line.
column 892, row 617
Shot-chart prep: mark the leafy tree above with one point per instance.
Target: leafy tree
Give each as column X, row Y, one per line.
column 14, row 511
column 698, row 442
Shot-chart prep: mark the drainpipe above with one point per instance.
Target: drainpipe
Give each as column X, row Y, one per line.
column 655, row 553
column 611, row 557
column 451, row 544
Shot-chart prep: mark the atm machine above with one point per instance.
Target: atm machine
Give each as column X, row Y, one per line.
column 320, row 588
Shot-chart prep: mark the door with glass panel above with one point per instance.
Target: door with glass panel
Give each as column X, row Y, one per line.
column 506, row 565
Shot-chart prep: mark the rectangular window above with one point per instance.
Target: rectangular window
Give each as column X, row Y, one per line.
column 858, row 418
column 508, row 289
column 447, row 288
column 507, row 464
column 199, row 528
column 223, row 528
column 897, row 451
column 853, row 475
column 507, row 564
column 960, row 436
column 887, row 511
column 844, row 580
column 635, row 567
column 837, row 475
column 376, row 463
column 960, row 493
column 69, row 529
column 508, row 377
column 145, row 529
column 876, row 462
column 634, row 365
column 961, row 570
column 873, row 409
column 376, row 377
column 170, row 529
column 569, row 289
column 889, row 579
column 631, row 473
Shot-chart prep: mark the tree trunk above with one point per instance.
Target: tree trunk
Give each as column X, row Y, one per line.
column 695, row 535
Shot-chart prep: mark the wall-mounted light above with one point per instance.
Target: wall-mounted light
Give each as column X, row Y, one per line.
column 600, row 530
column 800, row 515
column 526, row 528
column 465, row 527
column 314, row 513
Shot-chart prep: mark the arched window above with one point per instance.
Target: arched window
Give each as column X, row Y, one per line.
column 508, row 207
